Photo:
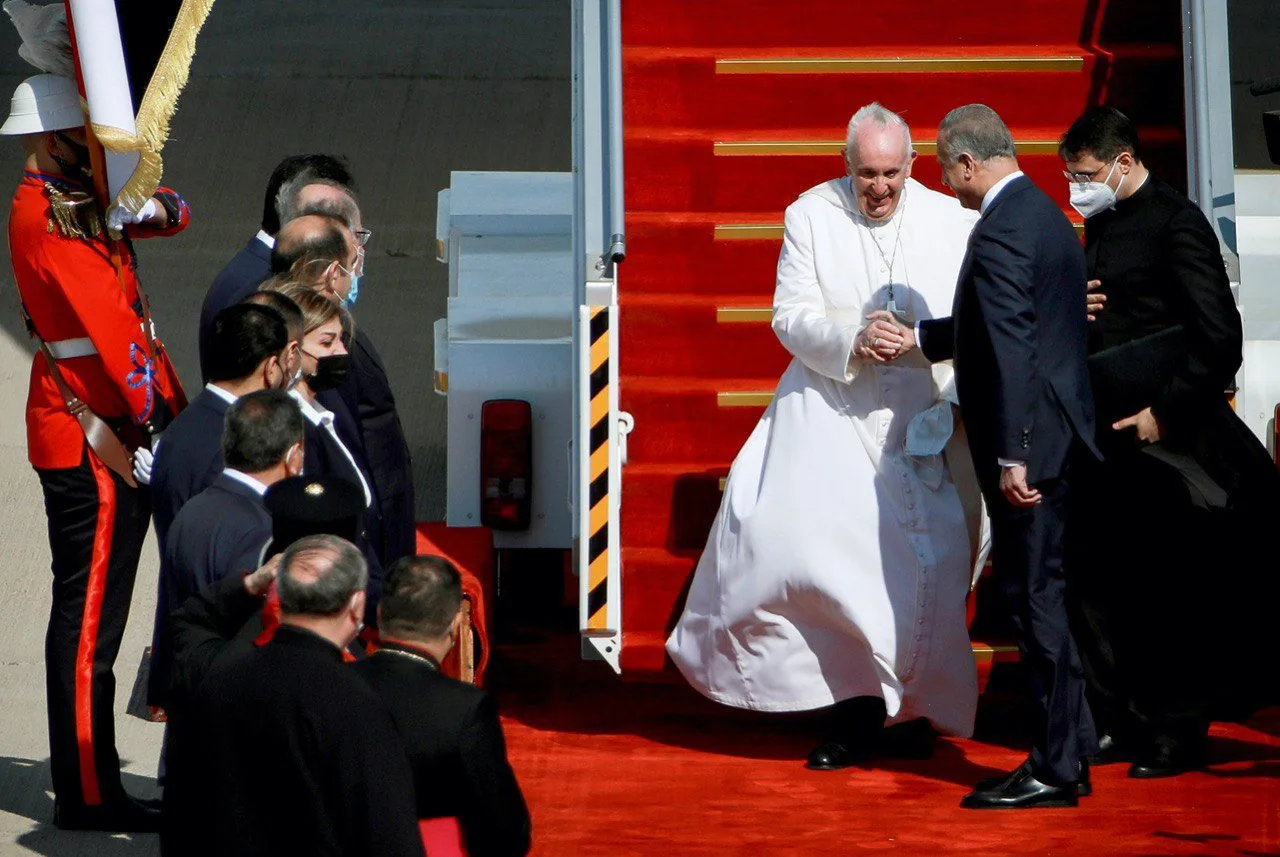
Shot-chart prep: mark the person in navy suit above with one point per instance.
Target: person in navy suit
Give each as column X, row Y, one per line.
column 223, row 530
column 248, row 268
column 252, row 351
column 1018, row 336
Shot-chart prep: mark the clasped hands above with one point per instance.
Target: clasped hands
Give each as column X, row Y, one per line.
column 884, row 339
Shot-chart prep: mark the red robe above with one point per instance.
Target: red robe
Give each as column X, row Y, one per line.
column 70, row 290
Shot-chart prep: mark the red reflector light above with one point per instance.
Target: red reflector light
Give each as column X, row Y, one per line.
column 506, row 464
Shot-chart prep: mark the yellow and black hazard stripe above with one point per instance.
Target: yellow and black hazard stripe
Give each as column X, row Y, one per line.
column 598, row 493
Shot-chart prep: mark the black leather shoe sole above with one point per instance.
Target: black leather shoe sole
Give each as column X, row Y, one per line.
column 1056, row 799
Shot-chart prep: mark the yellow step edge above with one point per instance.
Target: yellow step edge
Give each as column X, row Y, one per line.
column 744, row 314
column 988, row 654
column 773, row 232
column 744, row 398
column 748, row 232
column 738, row 148
column 895, row 65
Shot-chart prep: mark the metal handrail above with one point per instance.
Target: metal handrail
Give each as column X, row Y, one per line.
column 600, row 232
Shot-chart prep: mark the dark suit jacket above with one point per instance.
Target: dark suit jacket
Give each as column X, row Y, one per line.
column 188, row 459
column 456, row 750
column 367, row 393
column 1017, row 333
column 323, row 457
column 235, row 282
column 219, row 533
column 297, row 754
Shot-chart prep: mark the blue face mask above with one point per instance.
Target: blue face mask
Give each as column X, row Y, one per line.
column 352, row 296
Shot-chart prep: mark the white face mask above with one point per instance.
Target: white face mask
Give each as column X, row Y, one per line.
column 1093, row 198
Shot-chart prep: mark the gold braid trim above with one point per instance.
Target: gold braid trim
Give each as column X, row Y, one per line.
column 158, row 105
column 73, row 213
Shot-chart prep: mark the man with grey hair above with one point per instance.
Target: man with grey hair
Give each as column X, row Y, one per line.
column 296, row 755
column 1017, row 334
column 836, row 570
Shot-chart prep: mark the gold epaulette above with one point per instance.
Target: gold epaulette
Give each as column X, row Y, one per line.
column 73, row 213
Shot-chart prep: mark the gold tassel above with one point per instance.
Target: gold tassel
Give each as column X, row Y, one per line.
column 74, row 213
column 172, row 70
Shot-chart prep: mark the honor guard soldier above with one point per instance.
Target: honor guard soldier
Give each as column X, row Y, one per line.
column 101, row 388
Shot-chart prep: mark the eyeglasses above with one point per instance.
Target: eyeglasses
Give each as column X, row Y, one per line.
column 1084, row 178
column 363, row 236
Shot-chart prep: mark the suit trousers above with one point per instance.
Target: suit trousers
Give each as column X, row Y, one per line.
column 97, row 524
column 1027, row 561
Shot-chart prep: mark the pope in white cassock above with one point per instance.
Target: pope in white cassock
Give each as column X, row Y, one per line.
column 838, row 565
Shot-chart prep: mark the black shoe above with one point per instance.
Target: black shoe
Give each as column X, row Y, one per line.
column 1020, row 790
column 834, row 755
column 1084, row 785
column 122, row 815
column 1167, row 759
column 1110, row 751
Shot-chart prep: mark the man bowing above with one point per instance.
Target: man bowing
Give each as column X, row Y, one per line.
column 1017, row 333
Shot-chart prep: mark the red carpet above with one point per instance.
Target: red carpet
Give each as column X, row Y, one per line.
column 617, row 769
column 689, row 182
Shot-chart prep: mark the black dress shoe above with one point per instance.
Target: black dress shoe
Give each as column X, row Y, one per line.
column 1084, row 785
column 1020, row 790
column 834, row 755
column 1166, row 759
column 122, row 815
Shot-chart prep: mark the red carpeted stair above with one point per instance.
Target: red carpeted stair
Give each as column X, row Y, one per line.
column 732, row 108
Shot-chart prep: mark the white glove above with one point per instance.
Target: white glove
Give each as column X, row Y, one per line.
column 142, row 460
column 118, row 218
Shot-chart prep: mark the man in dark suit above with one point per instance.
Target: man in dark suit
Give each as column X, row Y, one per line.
column 310, row 249
column 1017, row 334
column 248, row 268
column 251, row 351
column 1143, row 609
column 450, row 728
column 223, row 530
column 290, row 752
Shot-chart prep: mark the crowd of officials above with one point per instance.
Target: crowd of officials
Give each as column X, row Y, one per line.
column 298, row 636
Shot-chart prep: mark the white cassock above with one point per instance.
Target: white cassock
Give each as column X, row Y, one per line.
column 838, row 564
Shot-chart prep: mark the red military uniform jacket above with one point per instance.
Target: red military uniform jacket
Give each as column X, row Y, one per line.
column 70, row 290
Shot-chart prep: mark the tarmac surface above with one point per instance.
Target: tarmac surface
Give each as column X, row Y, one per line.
column 408, row 90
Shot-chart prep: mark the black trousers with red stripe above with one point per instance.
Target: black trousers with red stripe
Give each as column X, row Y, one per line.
column 97, row 524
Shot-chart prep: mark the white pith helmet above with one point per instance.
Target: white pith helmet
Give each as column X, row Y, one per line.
column 46, row 102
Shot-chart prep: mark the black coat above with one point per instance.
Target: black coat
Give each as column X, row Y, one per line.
column 1160, row 265
column 284, row 750
column 187, row 460
column 322, row 456
column 235, row 282
column 221, row 532
column 1017, row 333
column 367, row 393
column 1162, row 563
column 456, row 750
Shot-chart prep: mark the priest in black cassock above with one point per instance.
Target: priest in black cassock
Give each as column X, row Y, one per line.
column 292, row 751
column 1170, row 573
